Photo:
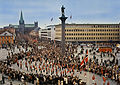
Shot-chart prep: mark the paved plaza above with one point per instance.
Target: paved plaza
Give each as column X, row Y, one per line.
column 84, row 75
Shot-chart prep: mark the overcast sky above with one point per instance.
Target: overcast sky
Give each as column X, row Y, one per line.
column 82, row 11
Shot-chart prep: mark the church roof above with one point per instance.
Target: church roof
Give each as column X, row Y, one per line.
column 29, row 25
column 15, row 26
column 21, row 21
column 26, row 26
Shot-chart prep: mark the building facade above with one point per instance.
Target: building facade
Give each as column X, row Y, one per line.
column 51, row 32
column 43, row 35
column 89, row 32
column 48, row 33
column 35, row 32
column 6, row 38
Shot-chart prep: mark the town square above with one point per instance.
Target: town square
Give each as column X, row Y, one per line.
column 67, row 52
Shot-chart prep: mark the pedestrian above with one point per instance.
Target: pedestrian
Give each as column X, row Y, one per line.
column 11, row 83
column 3, row 79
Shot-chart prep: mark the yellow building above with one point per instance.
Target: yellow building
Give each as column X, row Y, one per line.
column 89, row 32
column 6, row 38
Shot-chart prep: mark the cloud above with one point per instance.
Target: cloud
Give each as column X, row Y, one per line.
column 42, row 11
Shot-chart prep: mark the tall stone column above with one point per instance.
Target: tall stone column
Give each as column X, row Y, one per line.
column 63, row 18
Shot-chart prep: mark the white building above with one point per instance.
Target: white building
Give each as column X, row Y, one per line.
column 43, row 33
column 47, row 33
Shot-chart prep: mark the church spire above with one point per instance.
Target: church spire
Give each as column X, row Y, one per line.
column 21, row 21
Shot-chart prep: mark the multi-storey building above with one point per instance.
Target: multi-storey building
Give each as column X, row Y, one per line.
column 6, row 38
column 47, row 33
column 35, row 32
column 43, row 35
column 51, row 32
column 89, row 32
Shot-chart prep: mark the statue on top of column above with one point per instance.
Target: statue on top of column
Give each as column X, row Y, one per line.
column 62, row 10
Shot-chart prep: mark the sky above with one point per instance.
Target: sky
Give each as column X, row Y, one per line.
column 82, row 11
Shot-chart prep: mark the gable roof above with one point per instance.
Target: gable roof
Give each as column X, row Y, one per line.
column 6, row 33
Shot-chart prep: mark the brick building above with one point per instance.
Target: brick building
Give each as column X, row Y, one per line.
column 6, row 38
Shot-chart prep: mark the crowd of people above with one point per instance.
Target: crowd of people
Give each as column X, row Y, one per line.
column 47, row 66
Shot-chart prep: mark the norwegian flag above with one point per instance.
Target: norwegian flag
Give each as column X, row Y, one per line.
column 104, row 79
column 71, row 17
column 51, row 19
column 82, row 62
column 85, row 60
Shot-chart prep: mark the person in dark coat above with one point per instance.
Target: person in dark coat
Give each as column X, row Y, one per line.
column 3, row 79
column 11, row 83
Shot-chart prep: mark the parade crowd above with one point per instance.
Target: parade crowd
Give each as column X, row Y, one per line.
column 46, row 66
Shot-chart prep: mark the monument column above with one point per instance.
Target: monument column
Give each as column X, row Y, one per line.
column 63, row 18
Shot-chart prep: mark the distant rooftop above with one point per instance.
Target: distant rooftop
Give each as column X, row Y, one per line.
column 17, row 26
column 29, row 25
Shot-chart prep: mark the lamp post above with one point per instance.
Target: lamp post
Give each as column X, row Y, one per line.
column 63, row 18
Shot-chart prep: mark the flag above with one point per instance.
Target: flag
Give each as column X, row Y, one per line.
column 87, row 52
column 108, row 83
column 82, row 62
column 95, row 84
column 68, row 71
column 71, row 17
column 51, row 19
column 93, row 77
column 104, row 79
column 86, row 60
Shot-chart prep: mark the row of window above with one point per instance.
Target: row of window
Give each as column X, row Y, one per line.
column 5, row 37
column 106, row 26
column 95, row 26
column 93, row 34
column 43, row 34
column 5, row 41
column 92, row 38
column 89, row 30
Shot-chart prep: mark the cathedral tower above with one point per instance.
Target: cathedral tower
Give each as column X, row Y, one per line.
column 21, row 24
